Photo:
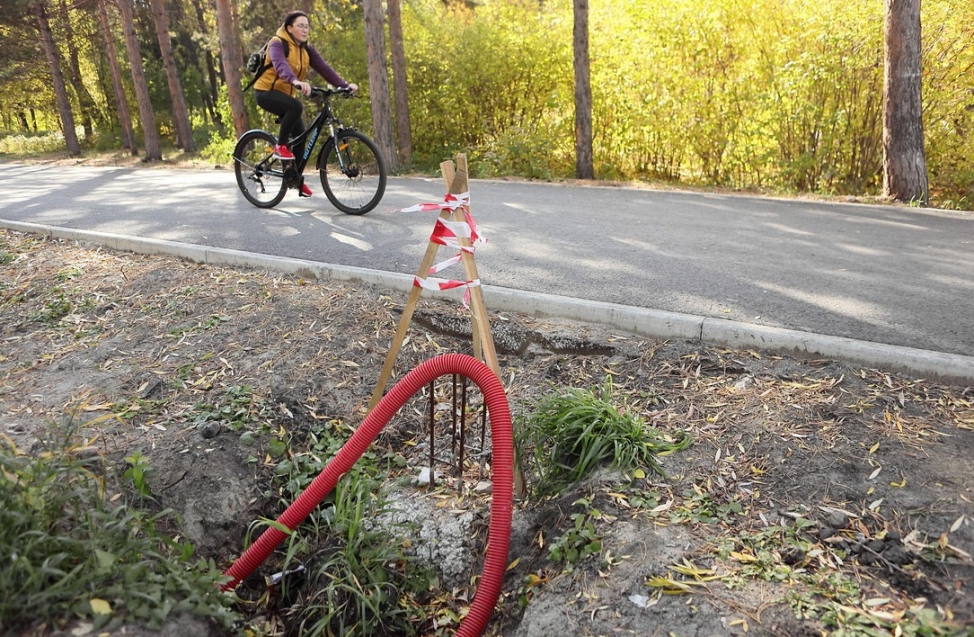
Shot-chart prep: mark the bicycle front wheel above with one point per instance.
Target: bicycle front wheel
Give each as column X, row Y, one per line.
column 259, row 175
column 353, row 174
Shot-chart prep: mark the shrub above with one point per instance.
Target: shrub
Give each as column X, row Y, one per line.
column 67, row 551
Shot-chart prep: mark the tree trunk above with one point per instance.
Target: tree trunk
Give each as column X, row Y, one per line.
column 208, row 61
column 584, row 168
column 149, row 133
column 404, row 138
column 375, row 48
column 85, row 102
column 231, row 65
column 237, row 35
column 184, row 132
column 904, row 161
column 60, row 90
column 121, row 102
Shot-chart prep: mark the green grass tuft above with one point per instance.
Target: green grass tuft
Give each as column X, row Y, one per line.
column 573, row 432
column 356, row 579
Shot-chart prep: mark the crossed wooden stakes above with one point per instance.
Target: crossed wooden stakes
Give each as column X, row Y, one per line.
column 483, row 344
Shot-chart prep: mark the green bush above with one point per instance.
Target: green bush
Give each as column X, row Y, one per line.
column 477, row 76
column 68, row 552
column 32, row 144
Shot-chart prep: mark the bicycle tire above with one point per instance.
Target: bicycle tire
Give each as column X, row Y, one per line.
column 259, row 175
column 358, row 188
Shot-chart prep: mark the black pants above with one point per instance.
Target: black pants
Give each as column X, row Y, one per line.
column 289, row 109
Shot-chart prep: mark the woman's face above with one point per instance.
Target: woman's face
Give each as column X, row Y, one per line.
column 299, row 29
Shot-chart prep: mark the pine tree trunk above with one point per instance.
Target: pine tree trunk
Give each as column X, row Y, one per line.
column 214, row 95
column 584, row 168
column 86, row 103
column 904, row 160
column 121, row 102
column 404, row 138
column 149, row 133
column 375, row 47
column 231, row 65
column 60, row 90
column 180, row 115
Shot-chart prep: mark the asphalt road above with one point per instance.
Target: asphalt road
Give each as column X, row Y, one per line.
column 892, row 275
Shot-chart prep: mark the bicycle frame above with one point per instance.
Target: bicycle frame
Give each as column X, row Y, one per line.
column 325, row 118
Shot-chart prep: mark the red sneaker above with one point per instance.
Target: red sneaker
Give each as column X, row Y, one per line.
column 281, row 152
column 304, row 191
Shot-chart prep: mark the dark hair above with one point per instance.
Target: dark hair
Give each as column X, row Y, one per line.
column 294, row 15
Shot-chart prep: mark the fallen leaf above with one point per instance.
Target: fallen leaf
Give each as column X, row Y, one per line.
column 643, row 601
column 533, row 580
column 662, row 507
column 102, row 407
column 740, row 622
column 956, row 525
column 82, row 629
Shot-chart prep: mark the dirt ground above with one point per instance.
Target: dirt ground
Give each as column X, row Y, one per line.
column 816, row 498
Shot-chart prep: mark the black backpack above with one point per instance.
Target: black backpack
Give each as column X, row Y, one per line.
column 256, row 64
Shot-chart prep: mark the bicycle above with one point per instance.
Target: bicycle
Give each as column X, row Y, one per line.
column 353, row 174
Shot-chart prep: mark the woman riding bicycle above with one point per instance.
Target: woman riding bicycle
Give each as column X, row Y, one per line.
column 290, row 56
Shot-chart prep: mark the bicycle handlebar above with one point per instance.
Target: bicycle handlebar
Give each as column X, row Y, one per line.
column 325, row 93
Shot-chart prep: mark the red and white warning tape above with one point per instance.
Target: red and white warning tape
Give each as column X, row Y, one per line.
column 449, row 233
column 450, row 202
column 461, row 235
column 442, row 265
column 439, row 285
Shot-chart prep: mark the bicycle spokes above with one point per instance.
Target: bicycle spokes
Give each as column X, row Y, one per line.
column 352, row 173
column 345, row 160
column 259, row 176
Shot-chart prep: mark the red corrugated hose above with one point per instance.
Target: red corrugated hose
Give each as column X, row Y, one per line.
column 502, row 499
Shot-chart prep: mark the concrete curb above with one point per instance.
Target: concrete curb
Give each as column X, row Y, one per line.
column 953, row 368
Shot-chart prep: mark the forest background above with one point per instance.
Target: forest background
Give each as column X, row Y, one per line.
column 759, row 95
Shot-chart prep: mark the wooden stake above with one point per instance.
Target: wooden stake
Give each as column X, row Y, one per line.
column 456, row 183
column 479, row 324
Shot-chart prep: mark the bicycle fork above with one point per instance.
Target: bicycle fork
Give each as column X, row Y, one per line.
column 341, row 150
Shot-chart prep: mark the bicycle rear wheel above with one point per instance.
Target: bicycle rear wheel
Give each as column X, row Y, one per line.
column 353, row 173
column 259, row 175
